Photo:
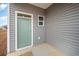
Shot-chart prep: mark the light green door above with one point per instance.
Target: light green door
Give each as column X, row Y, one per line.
column 23, row 32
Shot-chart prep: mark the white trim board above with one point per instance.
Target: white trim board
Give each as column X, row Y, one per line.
column 8, row 32
column 16, row 29
column 43, row 21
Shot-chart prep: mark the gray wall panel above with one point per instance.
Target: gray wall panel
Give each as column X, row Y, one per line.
column 62, row 27
column 38, row 31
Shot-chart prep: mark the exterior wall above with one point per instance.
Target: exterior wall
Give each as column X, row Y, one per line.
column 27, row 8
column 62, row 27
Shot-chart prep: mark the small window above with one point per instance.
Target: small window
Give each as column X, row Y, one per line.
column 40, row 20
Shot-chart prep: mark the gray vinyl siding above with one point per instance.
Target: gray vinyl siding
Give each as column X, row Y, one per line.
column 37, row 31
column 62, row 27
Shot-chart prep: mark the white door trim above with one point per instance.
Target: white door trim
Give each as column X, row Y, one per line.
column 8, row 32
column 16, row 29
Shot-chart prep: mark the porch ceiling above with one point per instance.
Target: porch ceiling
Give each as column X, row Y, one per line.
column 42, row 5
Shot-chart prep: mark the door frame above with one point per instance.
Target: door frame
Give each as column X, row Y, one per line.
column 8, row 30
column 16, row 12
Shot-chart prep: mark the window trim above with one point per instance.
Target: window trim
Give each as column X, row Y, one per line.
column 41, row 21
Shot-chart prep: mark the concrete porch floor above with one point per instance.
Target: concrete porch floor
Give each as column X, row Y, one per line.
column 40, row 50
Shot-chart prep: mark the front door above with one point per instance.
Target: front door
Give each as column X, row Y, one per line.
column 24, row 32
